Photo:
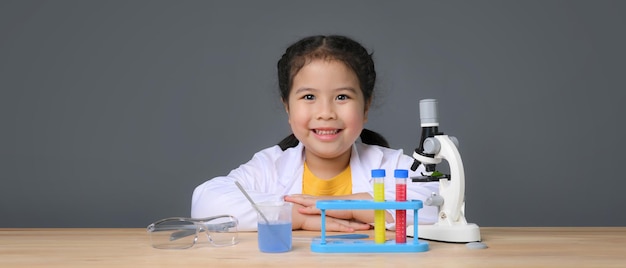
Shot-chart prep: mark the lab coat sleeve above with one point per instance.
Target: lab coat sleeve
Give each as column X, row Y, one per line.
column 220, row 195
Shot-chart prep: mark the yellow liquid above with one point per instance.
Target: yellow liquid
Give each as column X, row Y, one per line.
column 379, row 192
column 379, row 226
column 379, row 214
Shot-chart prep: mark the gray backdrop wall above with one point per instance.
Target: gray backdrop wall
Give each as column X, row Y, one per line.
column 113, row 111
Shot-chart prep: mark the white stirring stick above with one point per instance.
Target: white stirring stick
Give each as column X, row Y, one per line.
column 251, row 202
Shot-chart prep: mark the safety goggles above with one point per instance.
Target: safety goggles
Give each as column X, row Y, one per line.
column 181, row 233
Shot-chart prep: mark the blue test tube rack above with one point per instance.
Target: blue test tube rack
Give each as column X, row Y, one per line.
column 356, row 246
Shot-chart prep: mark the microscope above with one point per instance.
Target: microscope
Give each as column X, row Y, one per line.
column 434, row 146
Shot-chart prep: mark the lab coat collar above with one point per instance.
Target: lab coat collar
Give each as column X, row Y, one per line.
column 289, row 167
column 364, row 158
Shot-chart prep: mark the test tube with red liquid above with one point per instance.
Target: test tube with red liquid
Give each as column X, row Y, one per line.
column 401, row 176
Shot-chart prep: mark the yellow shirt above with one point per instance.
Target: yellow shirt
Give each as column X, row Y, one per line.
column 338, row 185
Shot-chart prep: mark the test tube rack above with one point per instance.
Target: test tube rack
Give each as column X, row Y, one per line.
column 358, row 246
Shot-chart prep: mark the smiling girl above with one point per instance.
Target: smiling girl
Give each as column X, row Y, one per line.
column 326, row 85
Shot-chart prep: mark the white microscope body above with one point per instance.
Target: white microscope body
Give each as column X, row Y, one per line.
column 451, row 225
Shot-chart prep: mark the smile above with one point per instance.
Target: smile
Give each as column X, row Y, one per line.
column 326, row 131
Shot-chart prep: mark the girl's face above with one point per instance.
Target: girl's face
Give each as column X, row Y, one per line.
column 326, row 108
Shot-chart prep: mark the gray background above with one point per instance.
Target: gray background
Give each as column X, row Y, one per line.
column 113, row 111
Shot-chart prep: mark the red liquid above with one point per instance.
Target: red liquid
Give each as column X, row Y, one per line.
column 400, row 192
column 400, row 215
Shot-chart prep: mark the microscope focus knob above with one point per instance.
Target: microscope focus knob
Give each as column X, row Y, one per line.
column 431, row 146
column 434, row 200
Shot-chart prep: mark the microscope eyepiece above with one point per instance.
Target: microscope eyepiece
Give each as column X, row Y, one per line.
column 429, row 116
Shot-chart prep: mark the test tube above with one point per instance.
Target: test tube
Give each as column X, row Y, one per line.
column 401, row 176
column 379, row 214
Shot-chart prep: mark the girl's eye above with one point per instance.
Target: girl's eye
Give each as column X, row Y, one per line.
column 342, row 97
column 308, row 97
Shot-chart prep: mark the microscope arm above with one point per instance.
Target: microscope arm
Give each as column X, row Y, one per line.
column 452, row 190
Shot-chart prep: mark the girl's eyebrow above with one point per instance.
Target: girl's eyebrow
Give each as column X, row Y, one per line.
column 303, row 89
column 346, row 89
column 308, row 89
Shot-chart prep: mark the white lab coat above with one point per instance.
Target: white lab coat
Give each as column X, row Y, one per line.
column 272, row 173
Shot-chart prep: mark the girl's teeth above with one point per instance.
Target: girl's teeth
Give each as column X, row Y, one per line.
column 326, row 132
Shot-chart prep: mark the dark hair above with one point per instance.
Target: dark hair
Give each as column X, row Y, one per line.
column 334, row 47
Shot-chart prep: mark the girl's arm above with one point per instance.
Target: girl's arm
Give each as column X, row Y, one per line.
column 220, row 195
column 312, row 222
column 305, row 204
column 415, row 191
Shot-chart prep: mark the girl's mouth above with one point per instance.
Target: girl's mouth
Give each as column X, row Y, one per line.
column 326, row 131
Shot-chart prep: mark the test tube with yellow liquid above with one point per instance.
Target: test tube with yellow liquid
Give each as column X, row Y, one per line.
column 379, row 214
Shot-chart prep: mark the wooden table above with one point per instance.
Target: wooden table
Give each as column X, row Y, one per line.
column 508, row 247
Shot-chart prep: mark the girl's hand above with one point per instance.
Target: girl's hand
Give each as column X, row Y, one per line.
column 307, row 203
column 310, row 222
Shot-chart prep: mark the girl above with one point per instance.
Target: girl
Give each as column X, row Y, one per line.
column 326, row 85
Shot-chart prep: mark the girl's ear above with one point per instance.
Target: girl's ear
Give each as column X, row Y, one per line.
column 286, row 104
column 367, row 109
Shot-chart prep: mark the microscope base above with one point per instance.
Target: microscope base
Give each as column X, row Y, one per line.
column 455, row 233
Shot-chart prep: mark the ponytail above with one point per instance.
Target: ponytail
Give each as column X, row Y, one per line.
column 288, row 142
column 367, row 137
column 373, row 138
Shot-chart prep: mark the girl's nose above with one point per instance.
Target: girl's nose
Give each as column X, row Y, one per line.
column 326, row 111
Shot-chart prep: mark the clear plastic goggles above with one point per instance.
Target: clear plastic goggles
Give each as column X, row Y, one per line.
column 181, row 233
